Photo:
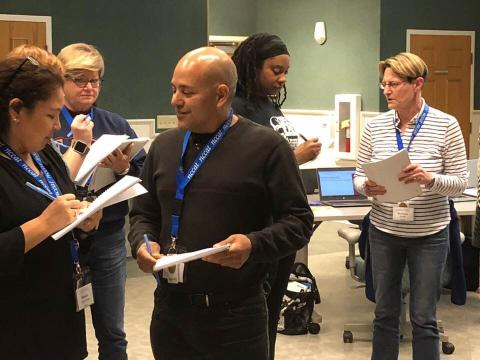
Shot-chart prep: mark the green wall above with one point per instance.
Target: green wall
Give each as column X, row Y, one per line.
column 141, row 42
column 232, row 17
column 347, row 63
column 398, row 16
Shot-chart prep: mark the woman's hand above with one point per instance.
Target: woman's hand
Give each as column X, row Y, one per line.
column 118, row 160
column 307, row 151
column 92, row 221
column 60, row 213
column 415, row 173
column 373, row 189
column 82, row 127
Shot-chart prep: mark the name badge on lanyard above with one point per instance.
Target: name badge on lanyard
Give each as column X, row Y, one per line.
column 175, row 274
column 82, row 283
column 402, row 212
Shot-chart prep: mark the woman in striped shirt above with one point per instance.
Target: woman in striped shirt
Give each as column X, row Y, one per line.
column 414, row 232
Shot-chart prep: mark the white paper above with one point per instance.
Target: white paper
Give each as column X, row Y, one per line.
column 471, row 192
column 108, row 143
column 170, row 260
column 100, row 149
column 105, row 176
column 138, row 144
column 385, row 173
column 124, row 189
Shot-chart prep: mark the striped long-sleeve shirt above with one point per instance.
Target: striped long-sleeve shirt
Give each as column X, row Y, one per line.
column 438, row 148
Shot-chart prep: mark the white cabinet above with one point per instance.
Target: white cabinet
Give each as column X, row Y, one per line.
column 347, row 125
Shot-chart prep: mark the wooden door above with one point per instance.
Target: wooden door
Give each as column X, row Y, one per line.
column 15, row 33
column 449, row 60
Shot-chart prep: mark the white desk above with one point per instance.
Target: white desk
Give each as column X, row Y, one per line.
column 328, row 213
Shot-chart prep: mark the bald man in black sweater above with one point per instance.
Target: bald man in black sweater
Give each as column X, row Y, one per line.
column 244, row 190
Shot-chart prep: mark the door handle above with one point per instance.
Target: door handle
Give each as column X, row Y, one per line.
column 441, row 72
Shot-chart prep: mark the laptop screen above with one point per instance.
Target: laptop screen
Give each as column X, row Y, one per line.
column 337, row 184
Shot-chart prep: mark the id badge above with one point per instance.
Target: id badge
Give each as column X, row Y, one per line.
column 403, row 213
column 83, row 289
column 174, row 274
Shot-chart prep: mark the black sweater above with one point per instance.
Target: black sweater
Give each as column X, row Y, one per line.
column 249, row 185
column 37, row 305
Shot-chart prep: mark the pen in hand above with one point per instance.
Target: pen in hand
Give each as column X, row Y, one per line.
column 149, row 249
column 40, row 191
column 303, row 137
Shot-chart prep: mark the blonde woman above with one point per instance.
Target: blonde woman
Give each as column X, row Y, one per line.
column 414, row 232
column 106, row 257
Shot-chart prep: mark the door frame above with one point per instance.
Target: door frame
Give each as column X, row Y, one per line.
column 32, row 18
column 474, row 127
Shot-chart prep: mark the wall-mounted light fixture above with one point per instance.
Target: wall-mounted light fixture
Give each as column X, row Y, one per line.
column 320, row 33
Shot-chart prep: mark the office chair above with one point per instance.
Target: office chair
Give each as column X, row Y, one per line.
column 356, row 265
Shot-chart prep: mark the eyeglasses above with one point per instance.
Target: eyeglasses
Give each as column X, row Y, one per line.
column 29, row 59
column 391, row 84
column 82, row 83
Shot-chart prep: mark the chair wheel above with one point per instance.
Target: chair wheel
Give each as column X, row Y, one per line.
column 448, row 348
column 313, row 328
column 347, row 337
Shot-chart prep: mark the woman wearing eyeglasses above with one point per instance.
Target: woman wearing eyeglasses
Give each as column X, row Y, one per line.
column 81, row 126
column 413, row 232
column 37, row 298
column 106, row 257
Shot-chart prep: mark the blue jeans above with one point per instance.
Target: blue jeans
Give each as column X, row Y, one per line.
column 107, row 261
column 426, row 257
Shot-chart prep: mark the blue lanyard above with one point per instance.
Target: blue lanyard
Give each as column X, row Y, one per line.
column 420, row 122
column 68, row 117
column 183, row 179
column 50, row 186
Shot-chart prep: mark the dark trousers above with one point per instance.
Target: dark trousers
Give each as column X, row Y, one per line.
column 278, row 280
column 227, row 331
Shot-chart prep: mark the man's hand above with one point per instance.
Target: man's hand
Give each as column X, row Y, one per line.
column 146, row 261
column 235, row 257
column 307, row 151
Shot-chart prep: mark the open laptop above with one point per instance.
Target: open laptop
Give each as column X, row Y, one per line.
column 336, row 188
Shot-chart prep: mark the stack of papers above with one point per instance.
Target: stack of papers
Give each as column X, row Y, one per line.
column 385, row 173
column 100, row 149
column 126, row 188
column 170, row 260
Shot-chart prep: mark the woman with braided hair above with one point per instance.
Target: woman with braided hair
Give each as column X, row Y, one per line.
column 262, row 62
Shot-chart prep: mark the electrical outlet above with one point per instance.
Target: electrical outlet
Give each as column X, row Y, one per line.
column 166, row 122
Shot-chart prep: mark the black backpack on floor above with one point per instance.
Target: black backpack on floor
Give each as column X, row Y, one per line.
column 298, row 303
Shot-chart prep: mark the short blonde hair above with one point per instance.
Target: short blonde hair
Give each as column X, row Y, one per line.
column 81, row 56
column 42, row 56
column 408, row 66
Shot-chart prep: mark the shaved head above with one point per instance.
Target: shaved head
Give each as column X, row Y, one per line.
column 203, row 87
column 212, row 65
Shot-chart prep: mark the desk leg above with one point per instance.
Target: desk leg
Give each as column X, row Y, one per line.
column 302, row 254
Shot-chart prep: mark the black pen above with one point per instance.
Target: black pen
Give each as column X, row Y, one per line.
column 303, row 137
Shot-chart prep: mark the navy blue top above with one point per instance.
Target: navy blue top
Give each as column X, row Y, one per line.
column 107, row 122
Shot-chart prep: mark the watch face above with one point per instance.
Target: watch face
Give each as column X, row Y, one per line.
column 80, row 147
